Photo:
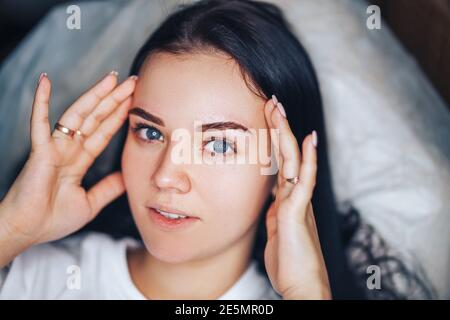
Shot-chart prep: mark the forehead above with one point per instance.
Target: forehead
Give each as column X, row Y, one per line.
column 206, row 87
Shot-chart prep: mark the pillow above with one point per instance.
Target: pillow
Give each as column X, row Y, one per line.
column 386, row 125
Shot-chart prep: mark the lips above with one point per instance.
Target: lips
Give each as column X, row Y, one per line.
column 172, row 212
column 163, row 222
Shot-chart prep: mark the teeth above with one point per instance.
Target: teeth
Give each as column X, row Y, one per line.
column 171, row 215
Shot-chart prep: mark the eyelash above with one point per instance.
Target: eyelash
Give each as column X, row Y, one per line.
column 139, row 126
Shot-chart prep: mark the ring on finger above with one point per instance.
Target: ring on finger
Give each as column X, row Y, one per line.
column 293, row 180
column 64, row 129
column 67, row 131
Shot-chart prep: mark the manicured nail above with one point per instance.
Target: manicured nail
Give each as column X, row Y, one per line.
column 314, row 138
column 114, row 73
column 274, row 99
column 281, row 108
column 43, row 74
column 134, row 77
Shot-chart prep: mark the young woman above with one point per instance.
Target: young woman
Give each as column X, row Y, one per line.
column 219, row 70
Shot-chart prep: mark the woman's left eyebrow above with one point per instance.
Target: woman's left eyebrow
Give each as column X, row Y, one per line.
column 224, row 126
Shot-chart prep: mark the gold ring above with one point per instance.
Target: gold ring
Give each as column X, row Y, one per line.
column 65, row 130
column 293, row 180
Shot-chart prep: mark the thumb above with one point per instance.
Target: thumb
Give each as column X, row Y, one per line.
column 105, row 191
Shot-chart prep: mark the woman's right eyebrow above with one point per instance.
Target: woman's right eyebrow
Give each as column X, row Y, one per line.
column 146, row 115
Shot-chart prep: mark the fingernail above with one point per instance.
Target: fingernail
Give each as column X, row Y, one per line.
column 314, row 138
column 43, row 74
column 114, row 73
column 274, row 99
column 281, row 108
column 134, row 77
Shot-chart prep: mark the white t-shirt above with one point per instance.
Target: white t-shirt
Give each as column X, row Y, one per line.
column 94, row 266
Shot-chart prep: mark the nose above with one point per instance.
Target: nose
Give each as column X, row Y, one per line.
column 170, row 176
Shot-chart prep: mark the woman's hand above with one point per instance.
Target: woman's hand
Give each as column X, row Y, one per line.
column 293, row 256
column 46, row 201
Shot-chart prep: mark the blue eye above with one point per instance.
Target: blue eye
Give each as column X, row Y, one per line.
column 219, row 146
column 147, row 133
column 153, row 134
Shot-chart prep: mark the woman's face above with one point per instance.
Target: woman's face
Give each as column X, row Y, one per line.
column 224, row 195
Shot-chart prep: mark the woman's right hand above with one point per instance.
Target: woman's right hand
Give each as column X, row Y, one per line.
column 46, row 201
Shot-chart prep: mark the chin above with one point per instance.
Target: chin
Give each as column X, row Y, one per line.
column 170, row 252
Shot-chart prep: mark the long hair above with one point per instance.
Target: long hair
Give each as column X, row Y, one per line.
column 272, row 61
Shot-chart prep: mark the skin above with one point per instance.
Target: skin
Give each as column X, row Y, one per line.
column 179, row 264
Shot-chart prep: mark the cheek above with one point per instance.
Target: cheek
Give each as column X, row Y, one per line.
column 128, row 161
column 135, row 171
column 235, row 196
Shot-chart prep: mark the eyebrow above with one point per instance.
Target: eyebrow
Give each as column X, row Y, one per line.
column 221, row 125
column 147, row 116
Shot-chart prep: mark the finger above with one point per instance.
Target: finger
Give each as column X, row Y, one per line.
column 308, row 172
column 105, row 191
column 268, row 107
column 75, row 115
column 273, row 133
column 40, row 127
column 108, row 105
column 289, row 151
column 97, row 142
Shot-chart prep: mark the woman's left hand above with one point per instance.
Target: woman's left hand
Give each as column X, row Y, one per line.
column 293, row 257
